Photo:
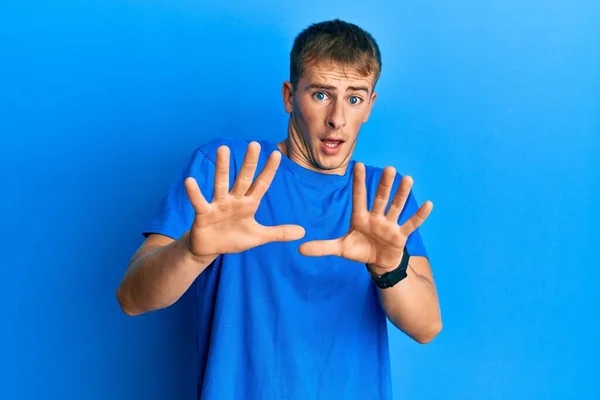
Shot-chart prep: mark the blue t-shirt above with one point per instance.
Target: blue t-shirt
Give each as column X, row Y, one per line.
column 272, row 323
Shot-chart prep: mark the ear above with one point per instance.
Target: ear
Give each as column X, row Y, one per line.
column 287, row 91
column 370, row 106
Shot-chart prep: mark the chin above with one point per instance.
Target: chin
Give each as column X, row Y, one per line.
column 329, row 163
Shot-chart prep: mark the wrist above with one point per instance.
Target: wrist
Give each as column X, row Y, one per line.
column 189, row 255
column 378, row 270
column 387, row 277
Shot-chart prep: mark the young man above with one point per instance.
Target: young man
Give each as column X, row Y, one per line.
column 294, row 253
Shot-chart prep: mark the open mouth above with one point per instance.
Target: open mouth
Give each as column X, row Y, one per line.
column 331, row 147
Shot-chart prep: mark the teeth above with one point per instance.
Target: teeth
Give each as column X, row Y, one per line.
column 331, row 145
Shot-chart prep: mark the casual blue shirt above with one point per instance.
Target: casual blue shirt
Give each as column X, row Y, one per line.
column 270, row 322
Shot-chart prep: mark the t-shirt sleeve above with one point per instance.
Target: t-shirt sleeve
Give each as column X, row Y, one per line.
column 414, row 243
column 175, row 213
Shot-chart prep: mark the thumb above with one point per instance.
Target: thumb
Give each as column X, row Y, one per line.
column 281, row 233
column 316, row 248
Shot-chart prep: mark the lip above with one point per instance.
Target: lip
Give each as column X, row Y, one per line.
column 329, row 150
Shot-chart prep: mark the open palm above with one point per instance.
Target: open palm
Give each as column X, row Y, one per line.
column 227, row 224
column 374, row 237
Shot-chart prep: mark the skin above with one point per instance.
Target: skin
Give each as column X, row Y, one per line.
column 328, row 102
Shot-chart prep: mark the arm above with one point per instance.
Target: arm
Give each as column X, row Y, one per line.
column 412, row 304
column 162, row 269
column 159, row 273
column 378, row 239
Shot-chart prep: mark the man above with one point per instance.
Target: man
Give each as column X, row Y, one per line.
column 293, row 252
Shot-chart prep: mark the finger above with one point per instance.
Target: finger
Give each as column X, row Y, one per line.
column 246, row 175
column 198, row 201
column 359, row 192
column 382, row 195
column 400, row 198
column 222, row 174
column 316, row 248
column 265, row 178
column 417, row 219
column 280, row 233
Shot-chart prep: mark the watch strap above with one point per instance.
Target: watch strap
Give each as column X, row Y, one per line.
column 391, row 278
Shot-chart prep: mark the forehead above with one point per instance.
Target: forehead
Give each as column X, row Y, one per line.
column 335, row 75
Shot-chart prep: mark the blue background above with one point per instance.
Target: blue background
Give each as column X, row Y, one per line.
column 493, row 107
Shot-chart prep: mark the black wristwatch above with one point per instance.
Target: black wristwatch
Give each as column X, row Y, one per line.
column 391, row 278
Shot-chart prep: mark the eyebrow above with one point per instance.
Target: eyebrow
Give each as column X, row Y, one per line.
column 333, row 88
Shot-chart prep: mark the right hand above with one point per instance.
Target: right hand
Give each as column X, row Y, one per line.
column 227, row 224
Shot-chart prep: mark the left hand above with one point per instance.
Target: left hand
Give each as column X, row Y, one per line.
column 374, row 238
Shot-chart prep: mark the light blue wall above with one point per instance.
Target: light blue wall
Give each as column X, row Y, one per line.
column 492, row 107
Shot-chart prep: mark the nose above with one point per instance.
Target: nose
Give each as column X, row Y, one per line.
column 336, row 119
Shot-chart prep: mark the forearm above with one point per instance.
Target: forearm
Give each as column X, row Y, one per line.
column 412, row 306
column 158, row 278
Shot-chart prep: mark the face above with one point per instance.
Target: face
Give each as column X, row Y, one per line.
column 327, row 108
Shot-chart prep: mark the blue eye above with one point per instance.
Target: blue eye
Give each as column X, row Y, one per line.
column 320, row 96
column 354, row 100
